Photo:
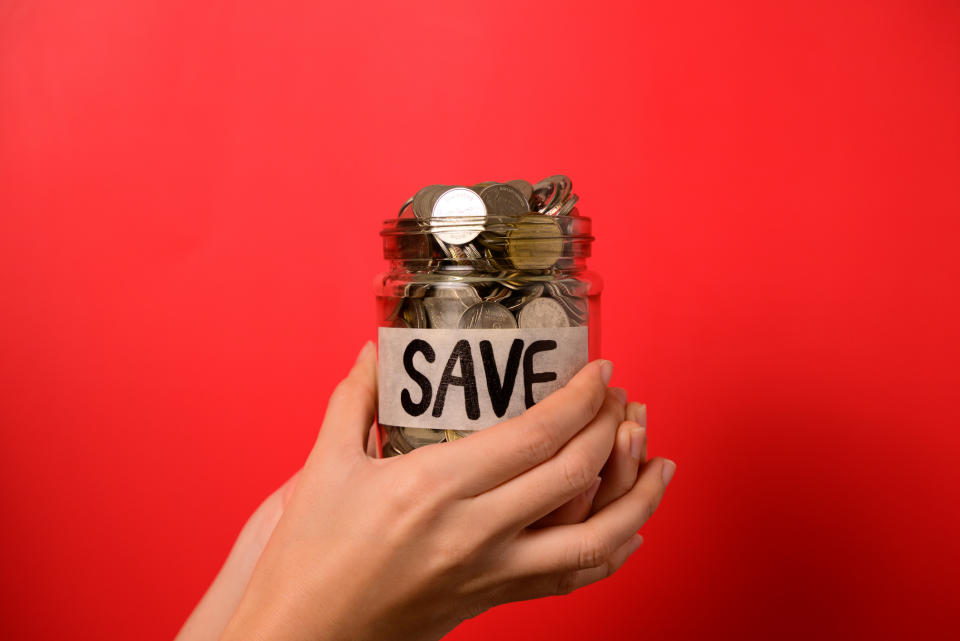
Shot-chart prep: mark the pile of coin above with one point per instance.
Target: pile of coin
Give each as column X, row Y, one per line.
column 496, row 251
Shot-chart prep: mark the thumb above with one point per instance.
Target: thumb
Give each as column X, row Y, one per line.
column 352, row 406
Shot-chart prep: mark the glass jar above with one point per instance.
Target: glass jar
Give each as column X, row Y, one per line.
column 479, row 317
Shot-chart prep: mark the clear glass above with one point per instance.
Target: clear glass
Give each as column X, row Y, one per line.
column 510, row 260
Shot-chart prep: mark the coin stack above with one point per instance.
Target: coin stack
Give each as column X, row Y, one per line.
column 489, row 256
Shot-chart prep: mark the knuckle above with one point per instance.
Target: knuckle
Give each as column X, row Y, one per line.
column 408, row 488
column 452, row 552
column 592, row 553
column 577, row 472
column 589, row 403
column 539, row 442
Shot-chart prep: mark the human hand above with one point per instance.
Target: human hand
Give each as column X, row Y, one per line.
column 407, row 547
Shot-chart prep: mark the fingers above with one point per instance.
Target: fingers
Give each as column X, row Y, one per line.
column 620, row 472
column 535, row 493
column 501, row 452
column 568, row 581
column 573, row 511
column 637, row 412
column 352, row 405
column 569, row 548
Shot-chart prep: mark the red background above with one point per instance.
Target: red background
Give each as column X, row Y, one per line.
column 190, row 197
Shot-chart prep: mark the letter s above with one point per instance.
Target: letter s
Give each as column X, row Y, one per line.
column 411, row 408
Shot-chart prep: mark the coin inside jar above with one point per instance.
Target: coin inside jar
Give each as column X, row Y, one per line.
column 395, row 440
column 504, row 200
column 524, row 188
column 500, row 256
column 458, row 202
column 414, row 313
column 446, row 304
column 487, row 315
column 536, row 242
column 551, row 193
column 420, row 436
column 543, row 312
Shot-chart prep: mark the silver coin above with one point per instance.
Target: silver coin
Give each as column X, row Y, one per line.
column 453, row 252
column 487, row 315
column 550, row 193
column 415, row 314
column 421, row 436
column 523, row 187
column 504, row 200
column 523, row 297
column 574, row 306
column 455, row 203
column 447, row 302
column 476, row 258
column 423, row 200
column 434, row 194
column 481, row 186
column 543, row 312
column 415, row 290
column 568, row 206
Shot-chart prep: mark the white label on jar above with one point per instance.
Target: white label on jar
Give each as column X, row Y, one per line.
column 468, row 379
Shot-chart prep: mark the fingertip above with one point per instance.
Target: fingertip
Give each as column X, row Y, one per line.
column 606, row 371
column 668, row 468
column 620, row 393
column 364, row 351
column 637, row 437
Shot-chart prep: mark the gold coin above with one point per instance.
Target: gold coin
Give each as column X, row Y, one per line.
column 421, row 436
column 536, row 242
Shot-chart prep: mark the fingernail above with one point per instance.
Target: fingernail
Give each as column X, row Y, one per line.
column 635, row 541
column 621, row 394
column 606, row 372
column 636, row 442
column 642, row 415
column 591, row 493
column 669, row 467
column 363, row 350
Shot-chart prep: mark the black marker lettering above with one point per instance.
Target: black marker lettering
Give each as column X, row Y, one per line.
column 500, row 393
column 411, row 408
column 529, row 376
column 461, row 352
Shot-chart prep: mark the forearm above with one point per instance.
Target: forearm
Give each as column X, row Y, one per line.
column 209, row 619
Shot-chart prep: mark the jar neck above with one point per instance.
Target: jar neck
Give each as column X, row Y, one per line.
column 534, row 243
column 484, row 266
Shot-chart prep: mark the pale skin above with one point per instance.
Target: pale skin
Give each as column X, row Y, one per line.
column 353, row 547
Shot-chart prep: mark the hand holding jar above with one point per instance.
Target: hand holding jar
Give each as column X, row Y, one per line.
column 408, row 547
